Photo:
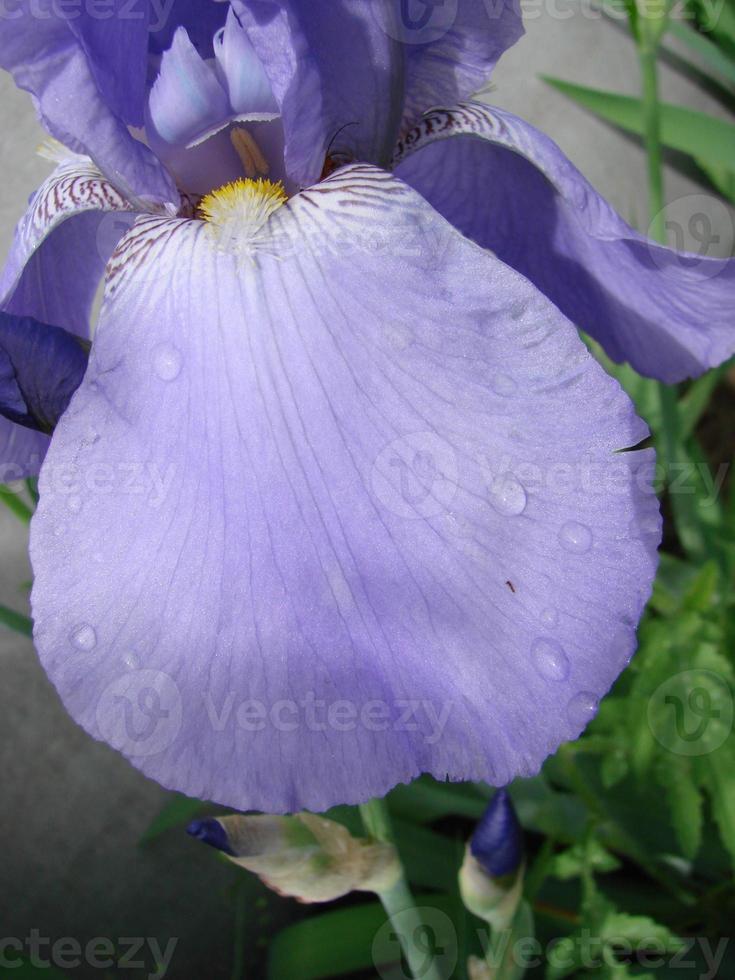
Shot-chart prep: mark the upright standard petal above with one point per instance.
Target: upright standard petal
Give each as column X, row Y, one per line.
column 319, row 542
column 47, row 59
column 336, row 74
column 247, row 84
column 451, row 47
column 511, row 189
column 114, row 39
column 187, row 100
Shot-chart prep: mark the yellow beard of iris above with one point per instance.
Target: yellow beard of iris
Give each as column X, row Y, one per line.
column 238, row 211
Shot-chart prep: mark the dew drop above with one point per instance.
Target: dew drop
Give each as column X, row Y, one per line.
column 503, row 384
column 167, row 362
column 550, row 659
column 575, row 537
column 647, row 526
column 549, row 617
column 508, row 496
column 84, row 638
column 74, row 504
column 582, row 708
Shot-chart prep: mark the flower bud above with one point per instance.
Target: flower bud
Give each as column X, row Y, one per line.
column 491, row 877
column 304, row 856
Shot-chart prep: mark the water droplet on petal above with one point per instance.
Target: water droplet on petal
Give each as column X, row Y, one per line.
column 167, row 362
column 549, row 617
column 84, row 638
column 645, row 526
column 575, row 537
column 582, row 708
column 74, row 504
column 508, row 496
column 503, row 384
column 550, row 659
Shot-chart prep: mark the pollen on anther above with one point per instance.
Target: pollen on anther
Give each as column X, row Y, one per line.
column 240, row 209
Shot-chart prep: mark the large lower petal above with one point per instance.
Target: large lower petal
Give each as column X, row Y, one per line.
column 45, row 57
column 52, row 274
column 337, row 75
column 336, row 509
column 510, row 188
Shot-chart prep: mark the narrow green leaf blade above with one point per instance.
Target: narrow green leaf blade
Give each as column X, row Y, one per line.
column 15, row 504
column 704, row 137
column 16, row 621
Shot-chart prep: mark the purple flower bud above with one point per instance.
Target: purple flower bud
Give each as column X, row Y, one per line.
column 211, row 831
column 497, row 843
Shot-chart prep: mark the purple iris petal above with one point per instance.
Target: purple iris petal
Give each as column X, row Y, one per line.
column 115, row 42
column 53, row 271
column 511, row 189
column 334, row 543
column 41, row 366
column 187, row 100
column 201, row 18
column 497, row 842
column 47, row 59
column 336, row 74
column 452, row 47
column 243, row 74
column 61, row 246
column 22, row 451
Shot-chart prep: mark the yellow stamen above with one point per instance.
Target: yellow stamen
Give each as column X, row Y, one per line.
column 239, row 210
column 253, row 161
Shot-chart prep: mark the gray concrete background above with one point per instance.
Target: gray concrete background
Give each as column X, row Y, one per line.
column 73, row 810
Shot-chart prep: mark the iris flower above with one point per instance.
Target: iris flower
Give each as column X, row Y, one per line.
column 341, row 497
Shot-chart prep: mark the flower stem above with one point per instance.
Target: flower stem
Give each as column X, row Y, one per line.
column 647, row 53
column 398, row 900
column 649, row 33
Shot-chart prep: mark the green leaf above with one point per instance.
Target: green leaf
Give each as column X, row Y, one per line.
column 704, row 137
column 675, row 774
column 639, row 930
column 722, row 178
column 426, row 800
column 15, row 504
column 696, row 401
column 16, row 621
column 337, row 943
column 176, row 813
column 712, row 55
column 573, row 862
column 720, row 768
